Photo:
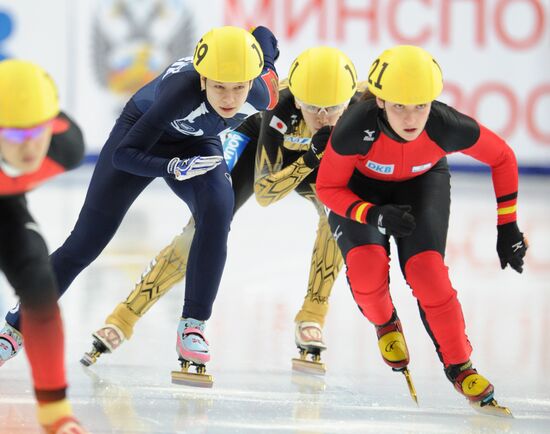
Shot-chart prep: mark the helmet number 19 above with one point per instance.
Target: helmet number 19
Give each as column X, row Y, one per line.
column 200, row 52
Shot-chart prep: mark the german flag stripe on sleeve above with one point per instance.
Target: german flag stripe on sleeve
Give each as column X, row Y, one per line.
column 352, row 207
column 507, row 198
column 358, row 211
column 506, row 208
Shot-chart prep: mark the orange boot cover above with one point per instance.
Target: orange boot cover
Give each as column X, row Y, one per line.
column 43, row 338
column 428, row 276
column 368, row 267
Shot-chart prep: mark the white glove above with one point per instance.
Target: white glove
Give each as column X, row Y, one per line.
column 194, row 166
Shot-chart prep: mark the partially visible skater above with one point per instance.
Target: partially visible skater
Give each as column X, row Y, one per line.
column 171, row 129
column 385, row 174
column 37, row 142
column 322, row 83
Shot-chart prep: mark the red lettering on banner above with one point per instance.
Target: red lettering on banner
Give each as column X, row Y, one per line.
column 393, row 27
column 433, row 21
column 537, row 29
column 344, row 13
column 235, row 14
column 519, row 112
column 292, row 24
column 532, row 101
column 499, row 89
column 479, row 20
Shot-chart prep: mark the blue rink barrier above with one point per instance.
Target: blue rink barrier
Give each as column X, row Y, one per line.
column 482, row 168
column 457, row 168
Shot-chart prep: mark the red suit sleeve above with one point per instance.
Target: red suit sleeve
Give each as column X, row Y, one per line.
column 271, row 80
column 495, row 152
column 334, row 174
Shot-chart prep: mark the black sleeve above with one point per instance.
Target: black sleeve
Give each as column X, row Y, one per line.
column 357, row 129
column 67, row 145
column 275, row 124
column 451, row 130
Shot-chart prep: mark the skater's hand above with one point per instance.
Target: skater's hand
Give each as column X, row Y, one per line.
column 393, row 220
column 194, row 166
column 511, row 246
column 268, row 43
column 312, row 158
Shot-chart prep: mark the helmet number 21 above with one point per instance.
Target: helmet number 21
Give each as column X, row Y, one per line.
column 373, row 70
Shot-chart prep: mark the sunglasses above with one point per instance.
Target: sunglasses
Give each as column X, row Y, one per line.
column 316, row 110
column 20, row 135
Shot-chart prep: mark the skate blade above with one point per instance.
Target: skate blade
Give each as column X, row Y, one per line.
column 309, row 367
column 410, row 385
column 492, row 408
column 98, row 348
column 192, row 379
column 88, row 359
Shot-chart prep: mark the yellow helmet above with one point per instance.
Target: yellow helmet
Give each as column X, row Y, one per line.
column 323, row 77
column 28, row 95
column 228, row 54
column 405, row 74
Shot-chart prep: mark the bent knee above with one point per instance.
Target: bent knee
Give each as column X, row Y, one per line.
column 217, row 203
column 428, row 277
column 367, row 266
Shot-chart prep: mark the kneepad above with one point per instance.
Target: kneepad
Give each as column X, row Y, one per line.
column 428, row 277
column 367, row 267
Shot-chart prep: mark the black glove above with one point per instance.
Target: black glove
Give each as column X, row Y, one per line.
column 511, row 246
column 312, row 158
column 393, row 220
column 268, row 43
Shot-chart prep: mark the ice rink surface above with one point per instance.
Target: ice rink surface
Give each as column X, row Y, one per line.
column 251, row 330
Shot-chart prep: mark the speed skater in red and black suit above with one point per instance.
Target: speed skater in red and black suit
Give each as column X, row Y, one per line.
column 385, row 174
column 37, row 142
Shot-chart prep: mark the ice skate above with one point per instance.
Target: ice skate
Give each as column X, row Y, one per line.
column 477, row 389
column 57, row 418
column 65, row 425
column 11, row 342
column 309, row 340
column 107, row 339
column 192, row 348
column 394, row 351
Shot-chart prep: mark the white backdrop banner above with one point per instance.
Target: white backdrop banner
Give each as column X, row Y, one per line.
column 495, row 54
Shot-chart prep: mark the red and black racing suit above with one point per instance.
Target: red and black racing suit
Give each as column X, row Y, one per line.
column 25, row 262
column 366, row 163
